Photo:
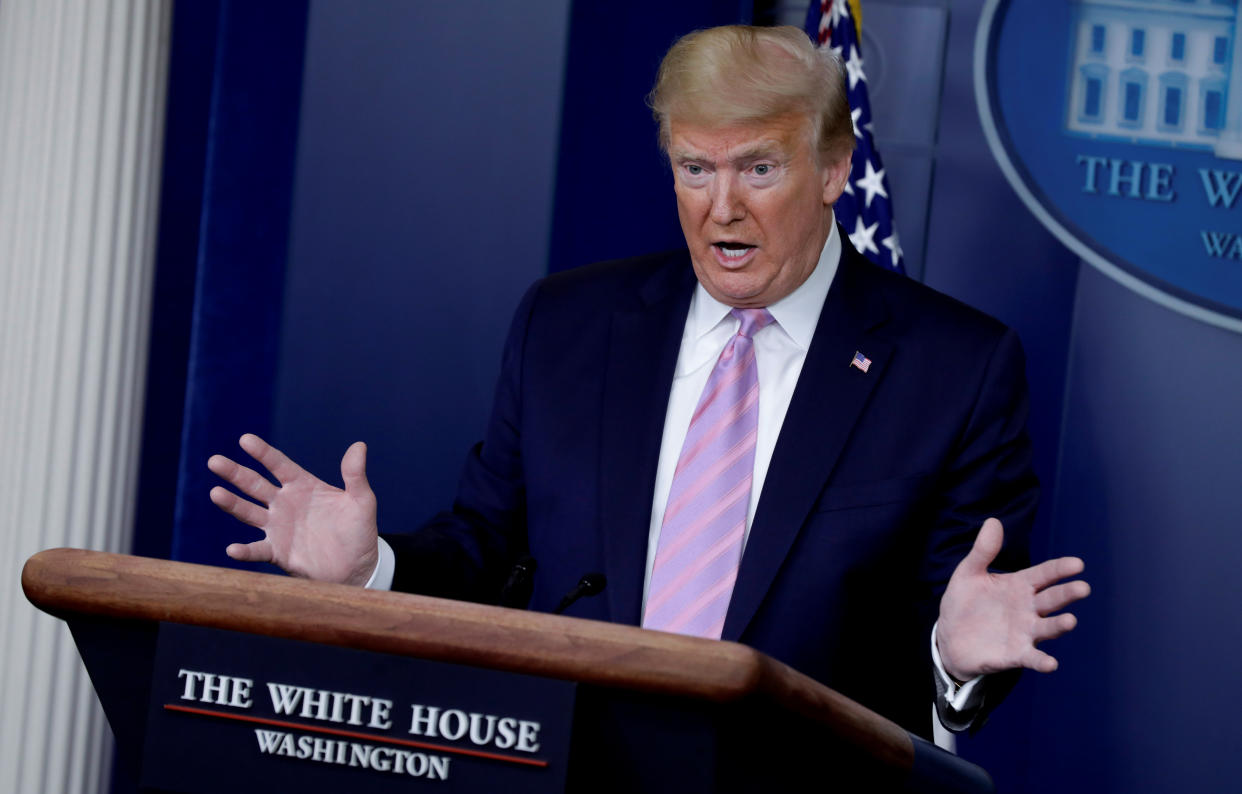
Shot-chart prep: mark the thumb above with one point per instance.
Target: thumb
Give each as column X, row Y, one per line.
column 354, row 469
column 987, row 545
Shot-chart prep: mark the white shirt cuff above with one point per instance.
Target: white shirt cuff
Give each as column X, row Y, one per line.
column 959, row 698
column 386, row 565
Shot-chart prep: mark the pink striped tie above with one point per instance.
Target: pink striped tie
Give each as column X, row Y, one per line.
column 700, row 543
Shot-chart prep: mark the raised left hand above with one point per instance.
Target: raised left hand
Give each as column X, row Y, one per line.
column 992, row 621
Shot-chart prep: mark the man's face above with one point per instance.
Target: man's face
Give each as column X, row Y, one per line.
column 755, row 205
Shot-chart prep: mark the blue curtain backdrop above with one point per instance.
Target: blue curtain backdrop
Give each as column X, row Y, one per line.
column 235, row 88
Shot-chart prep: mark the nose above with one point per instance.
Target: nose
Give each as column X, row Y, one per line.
column 727, row 204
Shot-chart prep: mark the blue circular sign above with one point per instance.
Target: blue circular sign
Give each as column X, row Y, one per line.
column 1120, row 127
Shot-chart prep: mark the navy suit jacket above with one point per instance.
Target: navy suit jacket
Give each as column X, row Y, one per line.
column 878, row 483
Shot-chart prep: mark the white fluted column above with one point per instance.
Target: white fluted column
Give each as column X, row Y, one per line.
column 82, row 86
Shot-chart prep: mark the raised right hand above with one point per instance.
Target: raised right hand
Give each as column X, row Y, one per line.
column 312, row 529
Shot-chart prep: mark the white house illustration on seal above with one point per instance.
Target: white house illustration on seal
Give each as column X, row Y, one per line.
column 1157, row 72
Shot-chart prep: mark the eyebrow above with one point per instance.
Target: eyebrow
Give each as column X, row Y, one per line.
column 759, row 150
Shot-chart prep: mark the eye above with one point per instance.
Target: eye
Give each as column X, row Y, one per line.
column 763, row 169
column 694, row 170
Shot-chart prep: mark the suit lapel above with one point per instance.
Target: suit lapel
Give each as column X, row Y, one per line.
column 826, row 404
column 642, row 357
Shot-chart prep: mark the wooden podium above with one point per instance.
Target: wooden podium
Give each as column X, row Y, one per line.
column 180, row 654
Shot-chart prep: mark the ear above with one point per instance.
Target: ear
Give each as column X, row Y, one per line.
column 835, row 175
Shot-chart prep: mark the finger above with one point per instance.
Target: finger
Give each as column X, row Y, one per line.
column 246, row 480
column 272, row 459
column 354, row 470
column 1053, row 627
column 987, row 545
column 1051, row 571
column 1058, row 597
column 1037, row 660
column 259, row 551
column 247, row 512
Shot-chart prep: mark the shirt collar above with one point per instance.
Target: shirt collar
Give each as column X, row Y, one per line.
column 797, row 313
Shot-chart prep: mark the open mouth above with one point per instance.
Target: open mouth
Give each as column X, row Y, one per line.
column 731, row 251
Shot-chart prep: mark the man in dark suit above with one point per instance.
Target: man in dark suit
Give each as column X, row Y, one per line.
column 882, row 427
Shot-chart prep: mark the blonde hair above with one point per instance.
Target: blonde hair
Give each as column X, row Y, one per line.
column 739, row 74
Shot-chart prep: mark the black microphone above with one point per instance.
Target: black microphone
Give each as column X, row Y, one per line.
column 589, row 585
column 516, row 592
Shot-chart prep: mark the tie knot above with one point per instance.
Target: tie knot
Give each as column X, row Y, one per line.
column 753, row 320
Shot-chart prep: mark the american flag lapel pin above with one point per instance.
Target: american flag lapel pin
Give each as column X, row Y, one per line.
column 860, row 361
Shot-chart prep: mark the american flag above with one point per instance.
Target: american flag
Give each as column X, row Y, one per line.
column 861, row 361
column 865, row 210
